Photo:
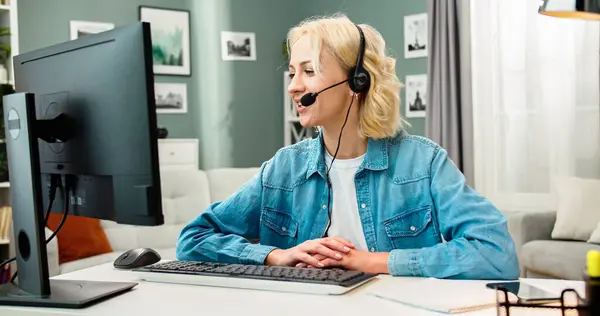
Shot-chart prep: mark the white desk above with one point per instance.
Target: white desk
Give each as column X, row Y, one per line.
column 173, row 300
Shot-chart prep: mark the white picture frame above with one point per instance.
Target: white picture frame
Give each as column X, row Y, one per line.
column 238, row 46
column 170, row 40
column 171, row 98
column 81, row 28
column 415, row 36
column 416, row 96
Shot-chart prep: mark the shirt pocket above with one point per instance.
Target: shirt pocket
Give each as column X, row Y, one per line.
column 411, row 229
column 282, row 228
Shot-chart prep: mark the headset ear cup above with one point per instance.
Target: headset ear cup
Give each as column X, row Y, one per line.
column 360, row 82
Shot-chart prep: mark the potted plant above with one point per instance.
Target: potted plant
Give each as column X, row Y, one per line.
column 5, row 88
column 4, row 54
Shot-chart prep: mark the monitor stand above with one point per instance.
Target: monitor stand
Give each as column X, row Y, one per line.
column 34, row 286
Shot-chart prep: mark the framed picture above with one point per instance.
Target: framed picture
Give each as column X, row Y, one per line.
column 171, row 98
column 82, row 28
column 415, row 36
column 416, row 95
column 170, row 39
column 238, row 45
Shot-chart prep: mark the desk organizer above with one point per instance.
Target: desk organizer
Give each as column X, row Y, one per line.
column 570, row 304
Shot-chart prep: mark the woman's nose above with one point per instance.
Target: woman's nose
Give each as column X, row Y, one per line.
column 296, row 85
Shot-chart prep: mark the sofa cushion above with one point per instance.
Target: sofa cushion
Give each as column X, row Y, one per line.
column 595, row 238
column 79, row 237
column 558, row 259
column 577, row 214
column 185, row 193
column 226, row 181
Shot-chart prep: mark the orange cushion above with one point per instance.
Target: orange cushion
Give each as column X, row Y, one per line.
column 80, row 237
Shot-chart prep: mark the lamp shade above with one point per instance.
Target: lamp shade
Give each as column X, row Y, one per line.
column 574, row 9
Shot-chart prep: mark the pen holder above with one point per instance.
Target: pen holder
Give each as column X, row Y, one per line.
column 569, row 304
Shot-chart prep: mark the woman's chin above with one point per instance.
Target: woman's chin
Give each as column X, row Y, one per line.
column 307, row 121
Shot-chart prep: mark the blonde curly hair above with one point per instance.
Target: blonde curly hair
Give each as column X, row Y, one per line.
column 379, row 108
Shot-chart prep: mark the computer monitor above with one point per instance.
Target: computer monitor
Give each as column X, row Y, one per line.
column 83, row 116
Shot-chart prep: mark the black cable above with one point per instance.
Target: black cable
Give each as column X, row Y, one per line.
column 54, row 184
column 330, row 165
column 64, row 218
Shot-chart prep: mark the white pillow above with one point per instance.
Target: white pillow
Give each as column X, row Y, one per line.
column 578, row 211
column 595, row 239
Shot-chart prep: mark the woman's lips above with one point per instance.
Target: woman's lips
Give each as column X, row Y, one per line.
column 301, row 108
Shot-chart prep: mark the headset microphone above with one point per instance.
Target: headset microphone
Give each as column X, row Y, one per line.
column 310, row 98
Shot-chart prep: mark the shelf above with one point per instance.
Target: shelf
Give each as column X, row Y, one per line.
column 4, row 7
column 4, row 241
column 4, row 184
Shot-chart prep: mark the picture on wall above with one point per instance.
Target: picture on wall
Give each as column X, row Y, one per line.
column 238, row 45
column 82, row 28
column 170, row 39
column 416, row 95
column 171, row 98
column 415, row 36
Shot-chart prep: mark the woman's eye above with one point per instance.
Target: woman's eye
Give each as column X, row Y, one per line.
column 309, row 72
column 291, row 75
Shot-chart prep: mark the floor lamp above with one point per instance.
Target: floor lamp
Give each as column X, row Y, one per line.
column 573, row 9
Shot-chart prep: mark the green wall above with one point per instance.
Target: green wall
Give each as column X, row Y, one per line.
column 44, row 23
column 387, row 16
column 240, row 103
column 235, row 107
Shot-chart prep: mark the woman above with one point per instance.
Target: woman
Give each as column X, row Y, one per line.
column 363, row 195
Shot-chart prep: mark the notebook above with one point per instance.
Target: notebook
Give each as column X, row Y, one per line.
column 443, row 296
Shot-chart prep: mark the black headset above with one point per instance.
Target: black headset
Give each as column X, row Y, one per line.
column 359, row 79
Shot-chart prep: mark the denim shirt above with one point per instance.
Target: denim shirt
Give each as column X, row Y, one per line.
column 413, row 202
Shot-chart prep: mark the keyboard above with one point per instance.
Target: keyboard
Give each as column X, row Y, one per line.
column 271, row 278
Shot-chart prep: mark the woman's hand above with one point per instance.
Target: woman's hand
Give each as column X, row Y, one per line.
column 357, row 260
column 330, row 247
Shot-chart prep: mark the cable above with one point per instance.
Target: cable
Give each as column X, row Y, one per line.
column 54, row 184
column 64, row 218
column 331, row 164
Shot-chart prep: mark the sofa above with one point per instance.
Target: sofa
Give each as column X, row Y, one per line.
column 555, row 244
column 541, row 255
column 185, row 193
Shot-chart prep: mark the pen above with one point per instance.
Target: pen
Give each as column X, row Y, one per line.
column 592, row 282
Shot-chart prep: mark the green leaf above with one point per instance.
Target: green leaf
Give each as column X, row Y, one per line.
column 4, row 31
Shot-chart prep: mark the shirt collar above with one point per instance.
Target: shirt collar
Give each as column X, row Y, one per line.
column 376, row 157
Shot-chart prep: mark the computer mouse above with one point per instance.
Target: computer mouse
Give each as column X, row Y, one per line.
column 136, row 258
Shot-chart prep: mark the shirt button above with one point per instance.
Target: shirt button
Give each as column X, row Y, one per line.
column 413, row 228
column 363, row 205
column 324, row 206
column 372, row 249
column 283, row 229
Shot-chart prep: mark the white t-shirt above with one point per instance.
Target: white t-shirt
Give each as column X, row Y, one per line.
column 345, row 219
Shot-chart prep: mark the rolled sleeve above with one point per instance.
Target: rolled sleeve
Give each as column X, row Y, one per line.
column 255, row 254
column 404, row 263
